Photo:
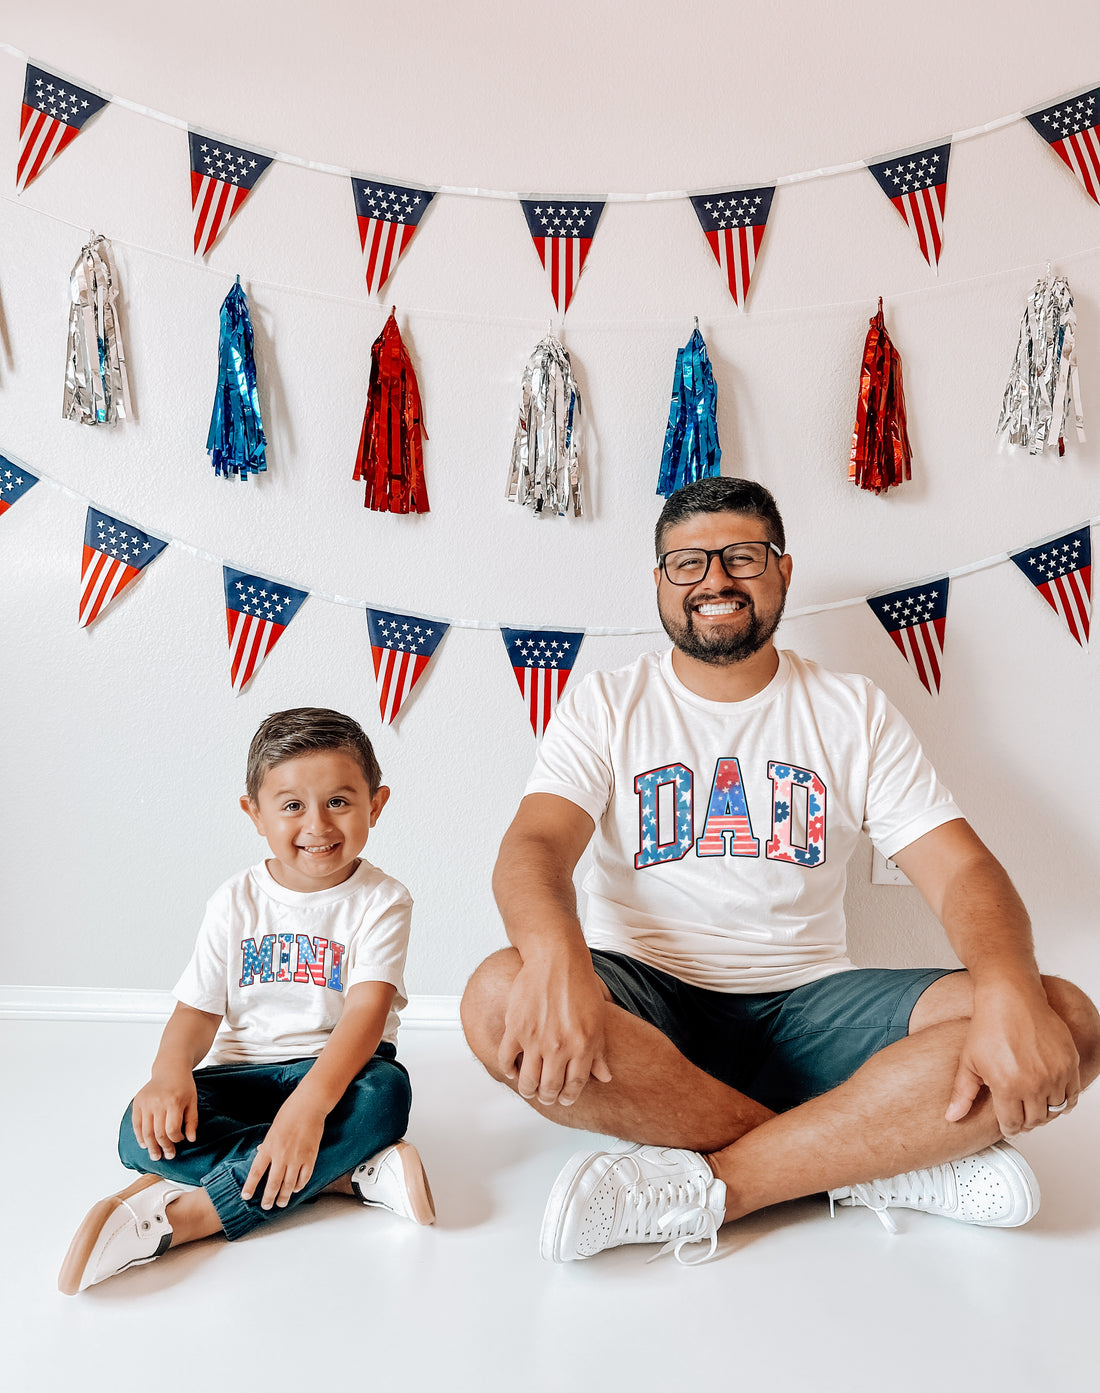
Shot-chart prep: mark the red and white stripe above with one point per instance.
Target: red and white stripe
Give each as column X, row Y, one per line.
column 215, row 203
column 251, row 639
column 541, row 688
column 397, row 674
column 102, row 578
column 735, row 249
column 923, row 211
column 1081, row 152
column 383, row 244
column 564, row 259
column 922, row 645
column 1070, row 596
column 713, row 840
column 41, row 137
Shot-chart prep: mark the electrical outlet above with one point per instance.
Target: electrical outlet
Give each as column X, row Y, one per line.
column 884, row 872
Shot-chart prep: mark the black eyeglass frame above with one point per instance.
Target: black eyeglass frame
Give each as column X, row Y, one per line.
column 710, row 555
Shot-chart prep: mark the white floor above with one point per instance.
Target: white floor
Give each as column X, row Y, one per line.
column 343, row 1296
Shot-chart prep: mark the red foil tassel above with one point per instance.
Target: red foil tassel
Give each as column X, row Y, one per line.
column 880, row 442
column 391, row 456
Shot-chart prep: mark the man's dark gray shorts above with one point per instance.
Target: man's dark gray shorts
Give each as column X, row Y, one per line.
column 780, row 1048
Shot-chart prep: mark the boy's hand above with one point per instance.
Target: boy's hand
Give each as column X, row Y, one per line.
column 164, row 1112
column 287, row 1153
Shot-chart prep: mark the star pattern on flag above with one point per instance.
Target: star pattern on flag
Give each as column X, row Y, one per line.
column 916, row 184
column 916, row 618
column 562, row 231
column 388, row 216
column 115, row 554
column 1070, row 129
column 1060, row 568
column 222, row 177
column 401, row 646
column 734, row 223
column 542, row 660
column 257, row 611
column 15, row 481
column 54, row 113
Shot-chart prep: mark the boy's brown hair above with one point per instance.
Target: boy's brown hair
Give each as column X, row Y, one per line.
column 304, row 730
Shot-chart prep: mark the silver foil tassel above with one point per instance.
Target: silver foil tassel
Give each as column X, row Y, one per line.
column 96, row 390
column 545, row 470
column 1044, row 387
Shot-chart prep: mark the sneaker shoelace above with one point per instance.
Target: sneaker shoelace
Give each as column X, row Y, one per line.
column 676, row 1211
column 910, row 1190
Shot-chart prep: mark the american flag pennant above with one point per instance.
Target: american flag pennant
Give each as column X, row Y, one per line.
column 115, row 554
column 916, row 184
column 15, row 481
column 734, row 223
column 222, row 177
column 388, row 216
column 916, row 619
column 542, row 660
column 1070, row 128
column 1060, row 568
column 257, row 610
column 54, row 113
column 562, row 231
column 402, row 646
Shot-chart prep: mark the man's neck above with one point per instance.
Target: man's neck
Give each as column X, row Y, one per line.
column 727, row 681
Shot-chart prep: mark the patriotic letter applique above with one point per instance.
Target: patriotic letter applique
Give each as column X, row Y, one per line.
column 562, row 233
column 115, row 554
column 916, row 184
column 388, row 216
column 401, row 646
column 1070, row 129
column 1060, row 568
column 916, row 619
column 734, row 224
column 222, row 177
column 54, row 113
column 542, row 660
column 257, row 611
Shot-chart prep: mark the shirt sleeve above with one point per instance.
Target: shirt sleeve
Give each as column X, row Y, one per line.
column 905, row 798
column 573, row 759
column 203, row 984
column 378, row 952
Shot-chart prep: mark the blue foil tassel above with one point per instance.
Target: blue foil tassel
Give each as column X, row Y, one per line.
column 691, row 448
column 236, row 441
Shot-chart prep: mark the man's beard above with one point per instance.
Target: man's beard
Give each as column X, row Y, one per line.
column 721, row 649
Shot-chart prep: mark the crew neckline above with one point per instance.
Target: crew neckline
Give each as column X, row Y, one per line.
column 760, row 698
column 309, row 898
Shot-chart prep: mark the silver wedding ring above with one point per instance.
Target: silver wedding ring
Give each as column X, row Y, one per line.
column 1058, row 1107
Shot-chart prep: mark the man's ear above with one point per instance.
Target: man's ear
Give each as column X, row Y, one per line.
column 247, row 806
column 378, row 802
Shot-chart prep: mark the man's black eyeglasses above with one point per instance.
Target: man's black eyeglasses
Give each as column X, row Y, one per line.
column 740, row 561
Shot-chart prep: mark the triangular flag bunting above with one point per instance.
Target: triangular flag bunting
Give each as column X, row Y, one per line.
column 388, row 216
column 115, row 554
column 1060, row 568
column 257, row 610
column 915, row 182
column 54, row 113
column 915, row 619
column 734, row 223
column 15, row 481
column 222, row 177
column 402, row 646
column 562, row 233
column 542, row 660
column 1070, row 128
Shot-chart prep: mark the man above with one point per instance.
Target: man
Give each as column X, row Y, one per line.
column 708, row 1011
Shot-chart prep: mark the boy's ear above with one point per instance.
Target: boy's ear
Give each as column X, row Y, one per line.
column 378, row 802
column 247, row 806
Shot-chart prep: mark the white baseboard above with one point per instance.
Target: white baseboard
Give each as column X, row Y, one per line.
column 127, row 1004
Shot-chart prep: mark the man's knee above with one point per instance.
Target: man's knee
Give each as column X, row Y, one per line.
column 484, row 1003
column 1083, row 1020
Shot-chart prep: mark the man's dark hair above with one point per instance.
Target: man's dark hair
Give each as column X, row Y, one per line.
column 305, row 730
column 720, row 495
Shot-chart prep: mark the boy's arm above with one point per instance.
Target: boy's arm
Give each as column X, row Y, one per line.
column 166, row 1110
column 289, row 1150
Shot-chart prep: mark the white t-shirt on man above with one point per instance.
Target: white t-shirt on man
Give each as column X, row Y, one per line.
column 724, row 829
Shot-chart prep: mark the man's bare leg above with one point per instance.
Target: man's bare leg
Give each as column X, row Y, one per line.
column 887, row 1118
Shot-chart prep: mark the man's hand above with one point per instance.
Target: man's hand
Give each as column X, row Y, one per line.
column 287, row 1153
column 554, row 1031
column 1022, row 1051
column 164, row 1112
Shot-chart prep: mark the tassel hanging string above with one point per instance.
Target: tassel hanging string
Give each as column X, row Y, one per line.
column 236, row 441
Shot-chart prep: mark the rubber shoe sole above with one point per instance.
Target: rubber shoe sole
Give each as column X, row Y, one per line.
column 561, row 1194
column 86, row 1236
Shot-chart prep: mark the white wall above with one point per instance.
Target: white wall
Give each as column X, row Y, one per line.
column 124, row 747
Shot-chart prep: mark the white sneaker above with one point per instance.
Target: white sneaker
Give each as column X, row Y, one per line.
column 652, row 1194
column 395, row 1179
column 995, row 1187
column 121, row 1231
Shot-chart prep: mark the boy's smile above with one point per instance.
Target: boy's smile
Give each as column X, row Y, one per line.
column 316, row 812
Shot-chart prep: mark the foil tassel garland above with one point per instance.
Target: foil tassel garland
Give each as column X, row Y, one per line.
column 881, row 455
column 1044, row 389
column 97, row 392
column 391, row 454
column 691, row 449
column 236, row 441
column 545, row 470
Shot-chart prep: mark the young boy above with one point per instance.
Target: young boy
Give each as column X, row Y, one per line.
column 296, row 982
